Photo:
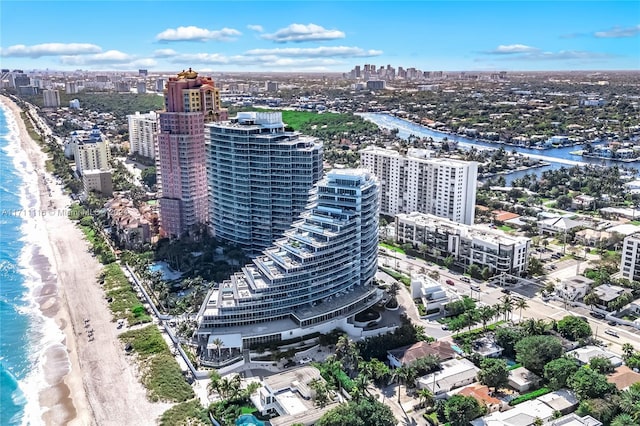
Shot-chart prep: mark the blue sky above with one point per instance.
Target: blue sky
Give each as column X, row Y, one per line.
column 320, row 35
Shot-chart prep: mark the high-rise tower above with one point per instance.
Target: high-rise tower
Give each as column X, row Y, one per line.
column 190, row 101
column 259, row 178
column 312, row 280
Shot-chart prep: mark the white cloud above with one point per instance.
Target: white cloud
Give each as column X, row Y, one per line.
column 50, row 49
column 257, row 28
column 164, row 53
column 301, row 33
column 108, row 57
column 567, row 55
column 322, row 51
column 619, row 32
column 508, row 49
column 262, row 61
column 193, row 33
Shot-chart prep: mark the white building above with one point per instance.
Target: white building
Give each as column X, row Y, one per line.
column 143, row 133
column 51, row 98
column 630, row 259
column 74, row 104
column 89, row 149
column 453, row 374
column 431, row 292
column 313, row 279
column 468, row 244
column 418, row 183
column 586, row 353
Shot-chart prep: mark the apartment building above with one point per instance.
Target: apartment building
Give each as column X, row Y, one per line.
column 143, row 133
column 418, row 183
column 630, row 259
column 468, row 244
column 190, row 102
column 259, row 178
column 51, row 98
column 313, row 279
column 89, row 149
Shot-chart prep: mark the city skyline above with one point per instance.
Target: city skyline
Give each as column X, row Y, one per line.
column 320, row 36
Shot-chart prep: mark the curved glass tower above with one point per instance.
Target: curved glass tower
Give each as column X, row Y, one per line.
column 312, row 279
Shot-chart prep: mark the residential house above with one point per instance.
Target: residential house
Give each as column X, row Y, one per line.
column 522, row 379
column 409, row 354
column 289, row 396
column 574, row 288
column 558, row 225
column 487, row 347
column 433, row 295
column 608, row 293
column 482, row 394
column 454, row 374
column 623, row 377
column 575, row 420
column 583, row 202
column 586, row 353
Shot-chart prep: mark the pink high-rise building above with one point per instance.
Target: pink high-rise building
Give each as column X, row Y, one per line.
column 190, row 101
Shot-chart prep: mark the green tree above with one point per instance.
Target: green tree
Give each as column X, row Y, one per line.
column 558, row 371
column 367, row 412
column 148, row 176
column 573, row 328
column 627, row 351
column 493, row 373
column 601, row 364
column 507, row 337
column 521, row 304
column 534, row 352
column 630, row 401
column 460, row 410
column 588, row 383
column 624, row 420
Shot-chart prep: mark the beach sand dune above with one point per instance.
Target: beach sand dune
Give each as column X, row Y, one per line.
column 91, row 382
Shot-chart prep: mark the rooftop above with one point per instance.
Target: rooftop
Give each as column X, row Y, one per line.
column 624, row 377
column 411, row 353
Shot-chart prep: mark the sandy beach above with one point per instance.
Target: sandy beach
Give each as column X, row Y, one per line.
column 89, row 382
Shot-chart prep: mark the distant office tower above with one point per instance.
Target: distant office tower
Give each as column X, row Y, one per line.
column 143, row 72
column 272, row 86
column 376, row 85
column 141, row 87
column 190, row 101
column 143, row 133
column 259, row 177
column 21, row 80
column 51, row 98
column 417, row 183
column 160, row 84
column 71, row 87
column 312, row 280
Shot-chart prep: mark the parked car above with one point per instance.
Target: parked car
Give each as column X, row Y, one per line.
column 597, row 315
column 450, row 282
column 611, row 332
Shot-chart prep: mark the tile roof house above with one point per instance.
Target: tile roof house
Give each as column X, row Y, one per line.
column 481, row 394
column 623, row 377
column 409, row 354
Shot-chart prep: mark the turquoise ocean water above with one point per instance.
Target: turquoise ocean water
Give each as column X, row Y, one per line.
column 24, row 332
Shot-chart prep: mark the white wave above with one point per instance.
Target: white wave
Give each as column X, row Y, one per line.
column 43, row 331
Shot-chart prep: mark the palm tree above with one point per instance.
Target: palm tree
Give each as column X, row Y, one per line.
column 347, row 352
column 218, row 343
column 627, row 350
column 507, row 306
column 624, row 420
column 521, row 304
column 214, row 384
column 426, row 397
column 485, row 314
column 361, row 386
column 403, row 374
column 630, row 402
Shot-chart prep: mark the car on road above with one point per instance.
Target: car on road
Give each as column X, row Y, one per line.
column 445, row 327
column 465, row 279
column 597, row 315
column 411, row 257
column 611, row 332
column 475, row 287
column 612, row 323
column 506, row 291
column 450, row 282
column 305, row 360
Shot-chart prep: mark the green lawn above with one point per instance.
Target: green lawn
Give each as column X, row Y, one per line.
column 393, row 248
column 505, row 228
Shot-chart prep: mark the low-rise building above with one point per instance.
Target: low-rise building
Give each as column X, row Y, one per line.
column 608, row 293
column 574, row 288
column 522, row 379
column 558, row 225
column 586, row 353
column 407, row 355
column 468, row 244
column 130, row 226
column 575, row 420
column 289, row 395
column 453, row 374
column 487, row 347
column 433, row 295
column 583, row 202
column 623, row 377
column 482, row 394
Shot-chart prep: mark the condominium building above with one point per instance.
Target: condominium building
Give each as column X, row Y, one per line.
column 418, row 183
column 89, row 149
column 51, row 98
column 190, row 102
column 311, row 280
column 630, row 260
column 259, row 178
column 143, row 133
column 467, row 244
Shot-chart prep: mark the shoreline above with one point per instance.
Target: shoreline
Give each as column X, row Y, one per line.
column 90, row 382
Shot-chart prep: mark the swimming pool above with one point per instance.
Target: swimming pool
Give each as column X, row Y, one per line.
column 457, row 349
column 248, row 420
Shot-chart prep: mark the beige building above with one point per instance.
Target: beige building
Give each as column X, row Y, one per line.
column 97, row 180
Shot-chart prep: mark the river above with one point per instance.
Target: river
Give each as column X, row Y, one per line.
column 557, row 157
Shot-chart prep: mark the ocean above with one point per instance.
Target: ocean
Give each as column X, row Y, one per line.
column 25, row 333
